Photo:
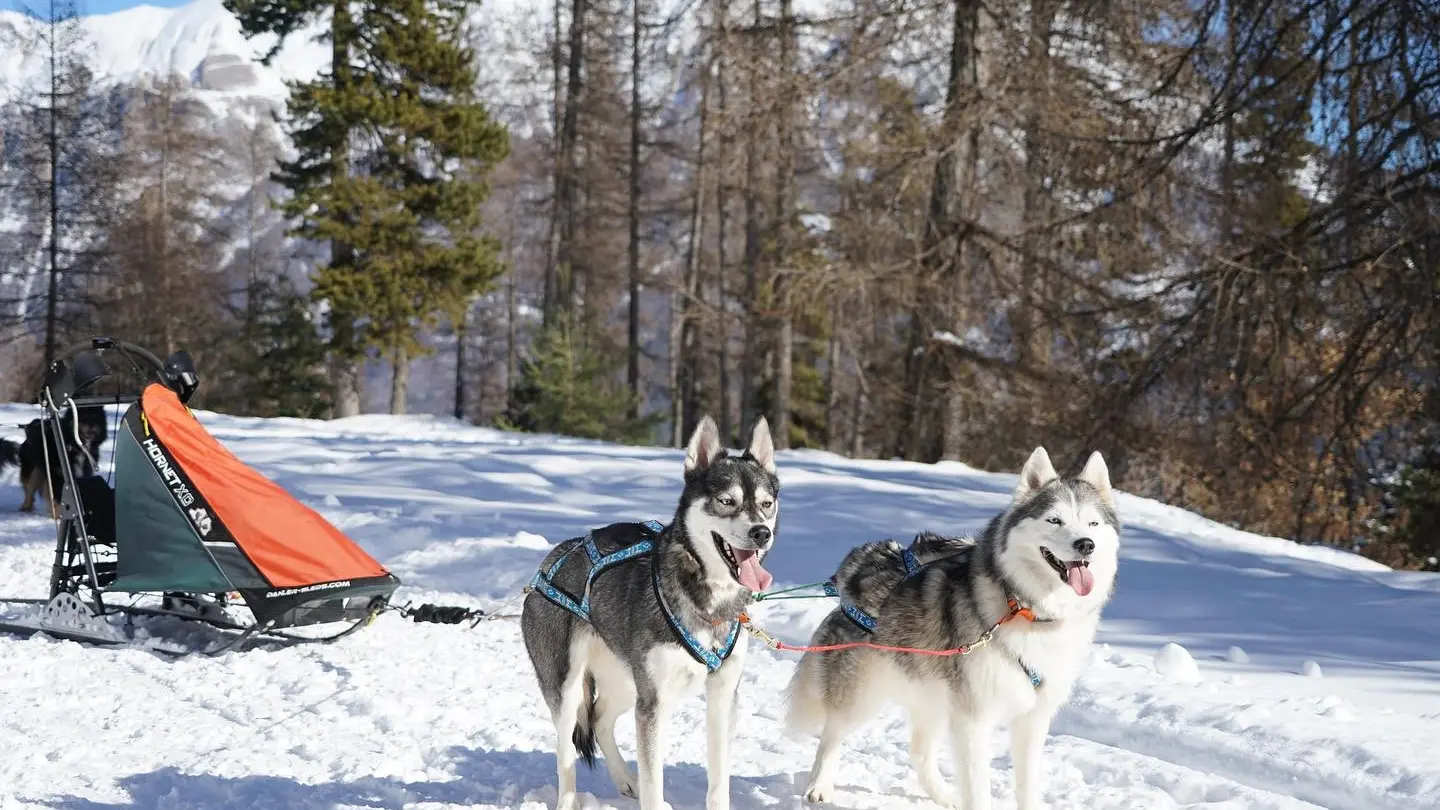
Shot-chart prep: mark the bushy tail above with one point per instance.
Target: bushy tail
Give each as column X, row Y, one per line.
column 584, row 734
column 9, row 454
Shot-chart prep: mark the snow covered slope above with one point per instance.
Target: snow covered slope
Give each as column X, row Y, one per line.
column 407, row 715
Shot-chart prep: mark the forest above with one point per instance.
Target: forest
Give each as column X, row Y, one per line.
column 1200, row 236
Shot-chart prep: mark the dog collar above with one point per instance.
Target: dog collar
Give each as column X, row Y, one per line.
column 1021, row 610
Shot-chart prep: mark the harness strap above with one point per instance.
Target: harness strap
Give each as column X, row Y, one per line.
column 543, row 582
column 867, row 623
column 712, row 659
column 862, row 619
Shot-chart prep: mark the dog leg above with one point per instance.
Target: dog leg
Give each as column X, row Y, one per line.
column 971, row 742
column 654, row 701
column 719, row 713
column 926, row 729
column 607, row 712
column 567, row 715
column 827, row 758
column 1027, row 742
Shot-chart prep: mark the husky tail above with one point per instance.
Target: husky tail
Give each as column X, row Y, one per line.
column 9, row 454
column 584, row 735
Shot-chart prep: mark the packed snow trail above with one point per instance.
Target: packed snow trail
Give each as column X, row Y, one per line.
column 405, row 715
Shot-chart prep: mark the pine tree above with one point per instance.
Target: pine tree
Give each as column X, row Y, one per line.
column 324, row 115
column 280, row 360
column 409, row 215
column 414, row 216
column 568, row 386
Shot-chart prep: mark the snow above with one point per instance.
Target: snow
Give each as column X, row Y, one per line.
column 1175, row 664
column 405, row 715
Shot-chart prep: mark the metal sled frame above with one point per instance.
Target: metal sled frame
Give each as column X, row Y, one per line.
column 84, row 564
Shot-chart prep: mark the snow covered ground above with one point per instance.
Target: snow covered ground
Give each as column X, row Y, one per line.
column 405, row 715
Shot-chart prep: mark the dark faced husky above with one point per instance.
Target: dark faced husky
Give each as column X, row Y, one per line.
column 1026, row 597
column 637, row 616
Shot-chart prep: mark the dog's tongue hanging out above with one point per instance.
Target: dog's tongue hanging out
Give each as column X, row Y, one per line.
column 1080, row 579
column 752, row 575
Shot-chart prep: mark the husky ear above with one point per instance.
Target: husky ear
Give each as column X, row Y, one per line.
column 704, row 446
column 1097, row 475
column 762, row 446
column 1037, row 472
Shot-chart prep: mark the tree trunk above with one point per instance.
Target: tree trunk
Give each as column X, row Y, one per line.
column 1030, row 345
column 550, row 290
column 400, row 380
column 462, row 333
column 784, row 228
column 567, row 187
column 52, row 299
column 511, row 366
column 722, row 202
column 859, row 410
column 749, row 359
column 677, row 402
column 832, row 375
column 632, row 366
column 345, row 363
column 688, row 414
column 941, row 249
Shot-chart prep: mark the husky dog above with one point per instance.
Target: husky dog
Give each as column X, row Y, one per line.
column 1032, row 585
column 43, row 476
column 654, row 626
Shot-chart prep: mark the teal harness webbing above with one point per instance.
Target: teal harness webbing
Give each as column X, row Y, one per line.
column 543, row 582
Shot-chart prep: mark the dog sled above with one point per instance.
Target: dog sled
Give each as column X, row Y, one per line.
column 187, row 533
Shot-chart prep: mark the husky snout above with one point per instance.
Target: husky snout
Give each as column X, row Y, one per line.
column 1085, row 546
column 761, row 535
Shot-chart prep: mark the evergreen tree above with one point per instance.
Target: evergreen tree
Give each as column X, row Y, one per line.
column 414, row 215
column 324, row 114
column 409, row 213
column 280, row 360
column 569, row 386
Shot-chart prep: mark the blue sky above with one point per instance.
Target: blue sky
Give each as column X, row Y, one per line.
column 92, row 6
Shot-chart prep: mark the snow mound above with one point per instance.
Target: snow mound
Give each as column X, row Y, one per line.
column 1176, row 664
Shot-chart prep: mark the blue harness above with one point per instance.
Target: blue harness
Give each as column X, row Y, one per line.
column 543, row 582
column 867, row 622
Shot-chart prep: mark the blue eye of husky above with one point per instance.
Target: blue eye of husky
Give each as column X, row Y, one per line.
column 1054, row 520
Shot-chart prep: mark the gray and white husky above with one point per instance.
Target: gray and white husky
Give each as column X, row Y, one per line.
column 632, row 650
column 1050, row 558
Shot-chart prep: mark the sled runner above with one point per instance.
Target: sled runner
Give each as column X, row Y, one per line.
column 187, row 531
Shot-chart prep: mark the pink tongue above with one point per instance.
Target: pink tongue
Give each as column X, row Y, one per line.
column 752, row 575
column 1080, row 579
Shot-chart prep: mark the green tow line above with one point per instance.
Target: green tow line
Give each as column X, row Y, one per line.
column 782, row 593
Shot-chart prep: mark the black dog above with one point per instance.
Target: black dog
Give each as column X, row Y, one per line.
column 81, row 457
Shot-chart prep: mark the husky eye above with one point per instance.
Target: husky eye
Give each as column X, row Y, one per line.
column 1094, row 523
column 766, row 505
column 1055, row 521
column 726, row 500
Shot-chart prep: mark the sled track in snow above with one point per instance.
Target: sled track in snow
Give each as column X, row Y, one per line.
column 1256, row 769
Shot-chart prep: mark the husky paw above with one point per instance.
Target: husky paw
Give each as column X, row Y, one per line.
column 717, row 802
column 568, row 801
column 625, row 784
column 819, row 794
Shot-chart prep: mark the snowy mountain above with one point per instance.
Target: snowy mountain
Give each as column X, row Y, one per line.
column 1303, row 677
column 202, row 41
